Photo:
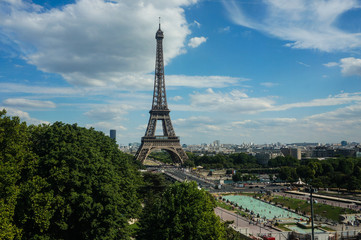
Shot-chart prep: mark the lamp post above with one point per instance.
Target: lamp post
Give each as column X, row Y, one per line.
column 312, row 227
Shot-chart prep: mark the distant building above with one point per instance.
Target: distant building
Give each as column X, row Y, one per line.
column 217, row 143
column 113, row 134
column 293, row 152
column 264, row 157
column 323, row 152
column 343, row 143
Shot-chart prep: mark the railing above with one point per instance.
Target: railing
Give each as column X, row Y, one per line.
column 160, row 138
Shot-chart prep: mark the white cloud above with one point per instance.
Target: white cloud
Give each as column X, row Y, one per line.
column 197, row 124
column 268, row 84
column 233, row 102
column 96, row 42
column 237, row 102
column 24, row 116
column 176, row 98
column 196, row 41
column 28, row 103
column 23, row 88
column 350, row 66
column 193, row 120
column 105, row 126
column 341, row 122
column 303, row 64
column 128, row 82
column 331, row 64
column 109, row 112
column 329, row 126
column 203, row 81
column 265, row 123
column 307, row 24
column 197, row 23
column 339, row 99
column 352, row 112
column 225, row 29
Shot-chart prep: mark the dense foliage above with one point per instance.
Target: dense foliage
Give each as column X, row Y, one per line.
column 161, row 156
column 62, row 181
column 220, row 161
column 244, row 177
column 182, row 212
column 16, row 161
column 331, row 173
column 153, row 186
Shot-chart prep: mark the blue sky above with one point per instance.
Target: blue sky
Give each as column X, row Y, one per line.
column 238, row 71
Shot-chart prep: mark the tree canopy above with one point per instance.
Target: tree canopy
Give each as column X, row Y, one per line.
column 62, row 181
column 182, row 212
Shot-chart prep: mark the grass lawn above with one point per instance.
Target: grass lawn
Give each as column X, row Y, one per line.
column 284, row 228
column 224, row 205
column 327, row 211
column 231, row 208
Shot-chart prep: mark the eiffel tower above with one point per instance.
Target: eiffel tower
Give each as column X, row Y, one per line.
column 160, row 112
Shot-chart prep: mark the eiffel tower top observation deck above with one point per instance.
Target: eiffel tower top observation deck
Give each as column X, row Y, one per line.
column 160, row 112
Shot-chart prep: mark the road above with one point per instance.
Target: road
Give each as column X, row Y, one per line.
column 241, row 224
column 180, row 173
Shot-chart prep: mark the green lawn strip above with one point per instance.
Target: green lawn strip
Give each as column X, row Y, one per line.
column 327, row 211
column 328, row 229
column 283, row 226
column 231, row 208
column 225, row 206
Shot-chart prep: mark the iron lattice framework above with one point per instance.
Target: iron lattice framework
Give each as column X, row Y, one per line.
column 160, row 112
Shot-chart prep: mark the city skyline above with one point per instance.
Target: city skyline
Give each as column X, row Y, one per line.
column 257, row 71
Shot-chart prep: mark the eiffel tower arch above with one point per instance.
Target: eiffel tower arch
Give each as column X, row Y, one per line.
column 168, row 141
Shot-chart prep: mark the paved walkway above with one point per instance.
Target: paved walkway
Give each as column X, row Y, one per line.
column 242, row 224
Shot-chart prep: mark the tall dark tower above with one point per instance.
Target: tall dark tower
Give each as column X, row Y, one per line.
column 113, row 134
column 160, row 112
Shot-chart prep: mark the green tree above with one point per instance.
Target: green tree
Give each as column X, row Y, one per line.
column 61, row 181
column 346, row 166
column 327, row 168
column 183, row 212
column 283, row 161
column 152, row 187
column 306, row 173
column 288, row 174
column 14, row 155
column 353, row 183
column 316, row 167
column 94, row 184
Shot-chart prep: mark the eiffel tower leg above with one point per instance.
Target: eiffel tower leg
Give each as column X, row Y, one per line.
column 172, row 147
column 142, row 153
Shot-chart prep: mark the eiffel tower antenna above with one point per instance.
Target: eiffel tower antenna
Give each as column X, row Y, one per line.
column 160, row 112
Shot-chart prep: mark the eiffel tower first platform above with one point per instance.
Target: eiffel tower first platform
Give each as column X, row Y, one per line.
column 160, row 112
